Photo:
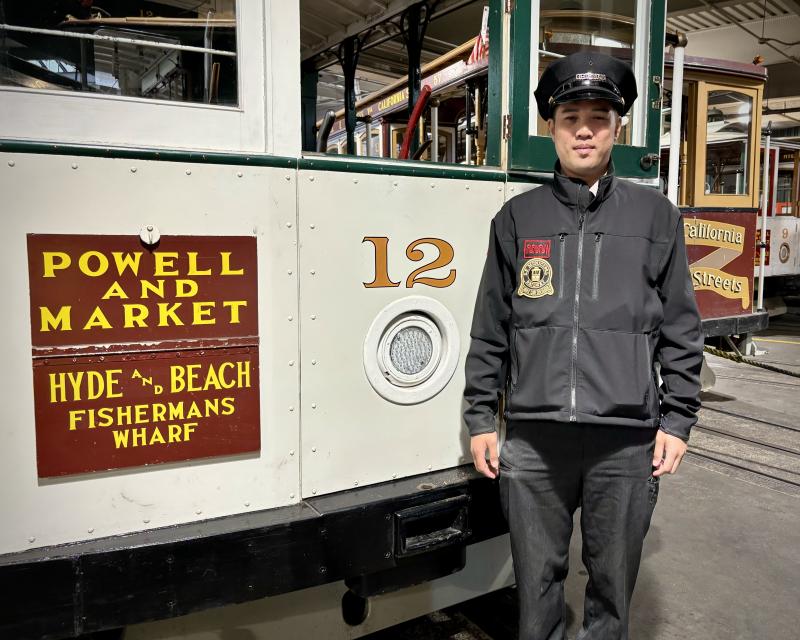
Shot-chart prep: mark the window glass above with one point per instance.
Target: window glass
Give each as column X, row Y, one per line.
column 454, row 64
column 605, row 26
column 728, row 124
column 176, row 50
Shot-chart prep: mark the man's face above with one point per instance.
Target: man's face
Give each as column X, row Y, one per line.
column 584, row 132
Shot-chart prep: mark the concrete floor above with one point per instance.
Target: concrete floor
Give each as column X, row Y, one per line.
column 722, row 559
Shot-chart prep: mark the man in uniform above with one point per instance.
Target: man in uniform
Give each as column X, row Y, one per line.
column 585, row 288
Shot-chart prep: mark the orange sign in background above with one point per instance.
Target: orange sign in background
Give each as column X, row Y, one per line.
column 141, row 356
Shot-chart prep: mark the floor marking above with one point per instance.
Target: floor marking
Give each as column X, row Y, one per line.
column 777, row 341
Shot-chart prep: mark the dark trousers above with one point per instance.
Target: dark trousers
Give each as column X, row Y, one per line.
column 548, row 470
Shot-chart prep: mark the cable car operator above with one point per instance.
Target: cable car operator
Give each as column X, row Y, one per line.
column 585, row 287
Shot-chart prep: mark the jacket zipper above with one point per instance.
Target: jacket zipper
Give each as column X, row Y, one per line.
column 561, row 246
column 598, row 241
column 573, row 417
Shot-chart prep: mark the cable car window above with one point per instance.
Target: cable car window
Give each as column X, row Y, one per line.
column 175, row 50
column 729, row 120
column 370, row 70
column 605, row 26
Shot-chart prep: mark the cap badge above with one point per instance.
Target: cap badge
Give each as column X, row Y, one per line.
column 598, row 77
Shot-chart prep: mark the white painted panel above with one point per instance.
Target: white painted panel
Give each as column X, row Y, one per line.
column 784, row 233
column 350, row 434
column 81, row 118
column 316, row 612
column 45, row 194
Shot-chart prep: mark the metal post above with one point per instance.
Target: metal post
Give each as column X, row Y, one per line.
column 309, row 78
column 368, row 123
column 348, row 54
column 764, row 201
column 468, row 127
column 676, row 115
column 414, row 23
column 435, row 130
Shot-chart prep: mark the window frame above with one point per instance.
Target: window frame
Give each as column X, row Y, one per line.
column 697, row 161
column 265, row 31
column 537, row 153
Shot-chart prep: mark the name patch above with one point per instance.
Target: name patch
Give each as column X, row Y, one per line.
column 536, row 249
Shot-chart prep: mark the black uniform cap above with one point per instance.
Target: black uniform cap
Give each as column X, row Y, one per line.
column 586, row 76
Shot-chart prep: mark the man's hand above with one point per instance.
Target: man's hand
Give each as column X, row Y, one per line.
column 668, row 453
column 478, row 445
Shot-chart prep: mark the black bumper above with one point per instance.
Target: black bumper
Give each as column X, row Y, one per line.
column 69, row 590
column 735, row 325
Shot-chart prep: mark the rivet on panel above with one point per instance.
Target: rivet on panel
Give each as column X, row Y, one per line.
column 288, row 178
column 291, row 408
column 11, row 163
column 31, row 539
column 91, row 530
column 394, row 184
column 291, row 453
column 289, row 271
column 311, row 178
column 433, row 186
column 314, row 491
column 313, row 449
column 74, row 165
column 239, row 174
column 146, row 520
column 313, row 316
column 313, row 362
column 291, row 496
column 499, row 188
column 133, row 169
column 429, row 467
column 313, row 405
column 512, row 189
column 313, row 271
column 467, row 187
column 246, row 504
column 188, row 172
column 355, row 180
column 288, row 225
column 290, row 318
column 312, row 226
column 394, row 476
column 199, row 511
column 355, row 484
column 291, row 363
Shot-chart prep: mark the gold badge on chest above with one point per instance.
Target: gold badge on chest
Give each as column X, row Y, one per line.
column 536, row 279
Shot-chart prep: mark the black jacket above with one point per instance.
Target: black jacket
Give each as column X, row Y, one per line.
column 580, row 295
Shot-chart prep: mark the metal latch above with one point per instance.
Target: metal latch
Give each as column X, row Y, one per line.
column 507, row 126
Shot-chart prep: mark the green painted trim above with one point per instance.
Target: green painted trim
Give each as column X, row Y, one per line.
column 495, row 104
column 403, row 168
column 384, row 167
column 537, row 153
column 51, row 148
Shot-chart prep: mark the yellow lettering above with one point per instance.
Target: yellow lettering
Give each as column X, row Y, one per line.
column 222, row 368
column 166, row 311
column 174, row 433
column 226, row 265
column 55, row 260
column 159, row 412
column 177, row 376
column 60, row 321
column 188, row 429
column 165, row 260
column 139, row 436
column 121, row 439
column 212, row 406
column 149, row 286
column 75, row 417
column 112, row 381
column 194, row 411
column 185, row 288
column 157, row 438
column 57, row 387
column 234, row 307
column 140, row 414
column 115, row 291
column 127, row 261
column 97, row 319
column 202, row 313
column 106, row 416
column 243, row 371
column 193, row 270
column 135, row 315
column 102, row 264
column 228, row 406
